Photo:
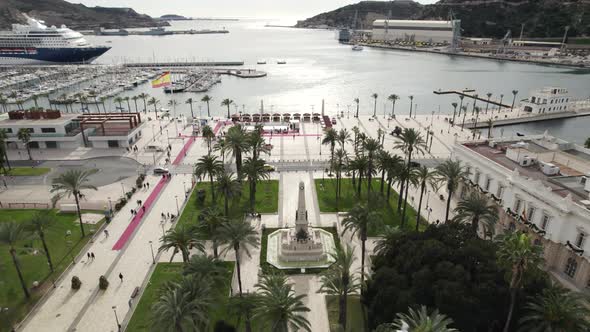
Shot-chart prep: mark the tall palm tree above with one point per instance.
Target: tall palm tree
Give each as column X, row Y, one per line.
column 403, row 177
column 207, row 99
column 461, row 97
column 343, row 137
column 454, row 113
column 144, row 96
column 330, row 138
column 556, row 309
column 514, row 93
column 126, row 99
column 236, row 142
column 422, row 321
column 71, row 183
column 24, row 135
column 209, row 165
column 375, row 96
column 490, row 122
column 521, row 259
column 3, row 138
column 395, row 165
column 227, row 102
column 339, row 164
column 155, row 102
column 393, row 98
column 119, row 101
column 360, row 164
column 183, row 306
column 411, row 141
column 242, row 307
column 212, row 221
column 237, row 235
column 256, row 143
column 102, row 101
column 10, row 233
column 383, row 164
column 229, row 187
column 39, row 223
column 450, row 172
column 278, row 308
column 476, row 209
column 425, row 178
column 182, row 238
column 387, row 241
column 135, row 98
column 206, row 268
column 255, row 171
column 371, row 146
column 489, row 94
column 358, row 221
column 339, row 280
column 477, row 110
column 208, row 135
column 219, row 146
column 357, row 101
column 190, row 103
column 411, row 105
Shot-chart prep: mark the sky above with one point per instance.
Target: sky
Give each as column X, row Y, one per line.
column 299, row 9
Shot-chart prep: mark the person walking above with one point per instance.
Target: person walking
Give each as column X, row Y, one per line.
column 121, row 276
column 92, row 256
column 106, row 234
column 143, row 209
column 88, row 255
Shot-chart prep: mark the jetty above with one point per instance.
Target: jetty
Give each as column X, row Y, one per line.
column 469, row 93
column 184, row 64
column 528, row 119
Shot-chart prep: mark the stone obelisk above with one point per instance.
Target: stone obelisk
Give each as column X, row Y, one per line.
column 301, row 215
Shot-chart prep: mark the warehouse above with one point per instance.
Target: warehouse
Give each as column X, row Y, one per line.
column 416, row 31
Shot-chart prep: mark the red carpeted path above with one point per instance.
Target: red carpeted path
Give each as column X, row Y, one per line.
column 136, row 221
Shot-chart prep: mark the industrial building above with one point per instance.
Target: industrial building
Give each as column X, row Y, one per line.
column 416, row 31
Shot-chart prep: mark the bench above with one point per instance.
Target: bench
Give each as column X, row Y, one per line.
column 135, row 292
column 68, row 208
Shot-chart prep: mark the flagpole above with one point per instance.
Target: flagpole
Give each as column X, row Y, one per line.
column 173, row 103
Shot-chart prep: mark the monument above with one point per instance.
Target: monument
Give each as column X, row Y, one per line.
column 301, row 246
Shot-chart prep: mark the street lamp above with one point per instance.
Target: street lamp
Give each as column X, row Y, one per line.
column 177, row 209
column 123, row 189
column 153, row 257
column 110, row 204
column 69, row 245
column 117, row 318
column 153, row 132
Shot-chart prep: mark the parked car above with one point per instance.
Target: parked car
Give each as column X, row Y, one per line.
column 161, row 170
column 154, row 148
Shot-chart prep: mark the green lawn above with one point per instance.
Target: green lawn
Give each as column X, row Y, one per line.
column 267, row 200
column 141, row 319
column 27, row 171
column 326, row 190
column 354, row 314
column 34, row 265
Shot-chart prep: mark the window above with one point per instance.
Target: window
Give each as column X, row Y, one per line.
column 487, row 185
column 545, row 222
column 500, row 191
column 530, row 213
column 476, row 179
column 34, row 145
column 570, row 267
column 580, row 239
column 517, row 205
column 113, row 144
column 48, row 130
column 51, row 144
column 8, row 130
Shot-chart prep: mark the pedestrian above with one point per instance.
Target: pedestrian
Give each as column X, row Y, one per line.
column 88, row 255
column 138, row 202
column 132, row 211
column 163, row 215
column 92, row 255
column 168, row 215
column 143, row 209
column 121, row 276
column 106, row 233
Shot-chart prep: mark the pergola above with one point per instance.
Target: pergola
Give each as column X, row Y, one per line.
column 127, row 122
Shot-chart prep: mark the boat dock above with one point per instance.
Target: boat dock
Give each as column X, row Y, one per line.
column 527, row 119
column 183, row 64
column 469, row 94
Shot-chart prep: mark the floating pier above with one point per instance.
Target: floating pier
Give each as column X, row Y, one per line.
column 469, row 94
column 183, row 64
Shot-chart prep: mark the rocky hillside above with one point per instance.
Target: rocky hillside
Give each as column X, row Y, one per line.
column 479, row 18
column 77, row 16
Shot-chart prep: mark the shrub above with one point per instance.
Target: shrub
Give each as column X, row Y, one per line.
column 139, row 181
column 103, row 283
column 76, row 283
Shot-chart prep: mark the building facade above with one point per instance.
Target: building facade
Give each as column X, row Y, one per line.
column 415, row 31
column 547, row 100
column 540, row 186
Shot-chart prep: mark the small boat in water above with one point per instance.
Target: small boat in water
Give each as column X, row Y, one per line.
column 281, row 62
column 357, row 48
column 261, row 62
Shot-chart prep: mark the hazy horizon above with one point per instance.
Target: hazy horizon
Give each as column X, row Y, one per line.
column 293, row 9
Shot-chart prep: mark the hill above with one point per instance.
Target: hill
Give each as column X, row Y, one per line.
column 77, row 16
column 491, row 18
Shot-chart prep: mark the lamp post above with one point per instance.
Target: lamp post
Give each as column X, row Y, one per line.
column 177, row 209
column 184, row 186
column 5, row 311
column 152, row 249
column 69, row 245
column 110, row 205
column 168, row 136
column 123, row 189
column 153, row 132
column 117, row 318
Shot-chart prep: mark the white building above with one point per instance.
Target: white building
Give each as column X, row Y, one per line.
column 547, row 100
column 414, row 30
column 540, row 185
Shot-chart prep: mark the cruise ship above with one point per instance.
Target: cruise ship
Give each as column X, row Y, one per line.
column 35, row 44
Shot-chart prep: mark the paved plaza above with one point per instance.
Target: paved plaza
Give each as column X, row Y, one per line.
column 127, row 249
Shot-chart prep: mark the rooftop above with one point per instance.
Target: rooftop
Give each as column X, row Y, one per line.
column 63, row 119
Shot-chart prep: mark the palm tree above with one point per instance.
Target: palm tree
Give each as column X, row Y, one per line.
column 338, row 164
column 206, row 268
column 411, row 141
column 343, row 137
column 330, row 138
column 236, row 142
column 450, row 172
column 461, row 97
column 102, row 100
column 514, row 93
column 256, row 142
column 134, row 98
column 39, row 223
column 238, row 235
column 119, row 101
column 425, row 178
column 357, row 101
column 144, row 97
column 172, row 103
column 411, row 105
column 229, row 187
column 340, row 281
column 72, row 182
column 490, row 122
column 383, row 161
column 278, row 308
column 212, row 220
column 521, row 259
column 255, row 171
column 375, row 96
column 489, row 94
column 207, row 99
column 371, row 146
column 475, row 209
column 556, row 309
column 24, row 135
column 227, row 102
column 395, row 165
column 393, row 98
column 190, row 102
column 3, row 138
column 128, row 105
column 454, row 113
column 209, row 165
column 155, row 102
column 358, row 221
column 182, row 238
column 242, row 307
column 208, row 135
column 10, row 233
column 422, row 321
column 387, row 241
column 183, row 306
column 360, row 164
